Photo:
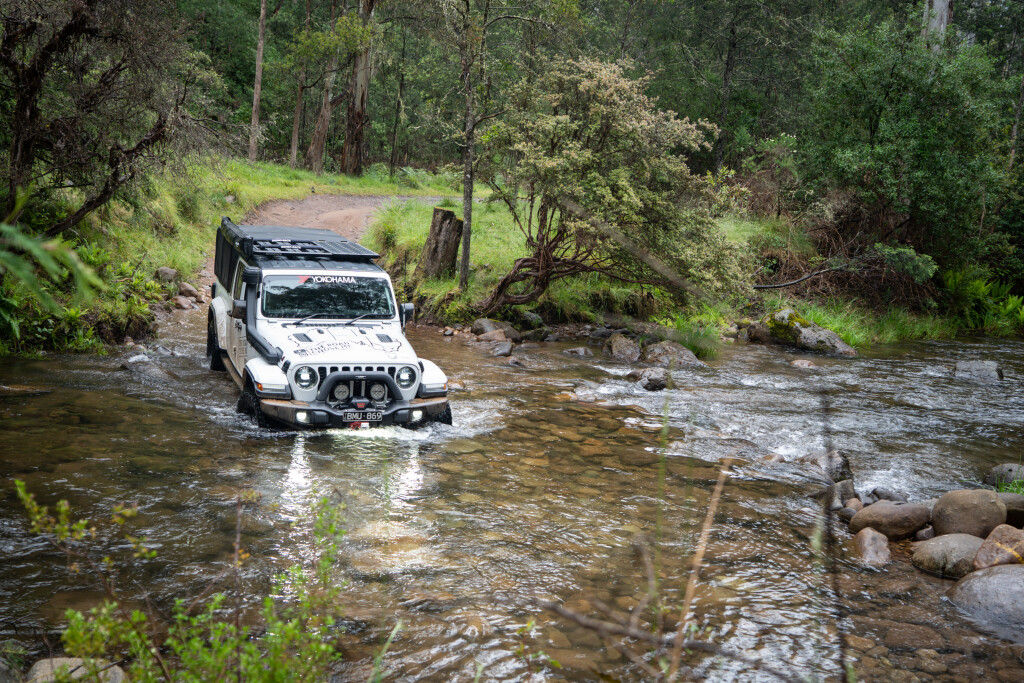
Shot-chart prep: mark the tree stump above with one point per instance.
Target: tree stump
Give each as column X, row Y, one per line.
column 442, row 248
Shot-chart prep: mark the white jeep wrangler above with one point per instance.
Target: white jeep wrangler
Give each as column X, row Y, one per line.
column 308, row 327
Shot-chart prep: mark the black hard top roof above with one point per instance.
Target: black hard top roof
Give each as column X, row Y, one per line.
column 278, row 247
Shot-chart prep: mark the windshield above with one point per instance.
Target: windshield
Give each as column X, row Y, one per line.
column 327, row 296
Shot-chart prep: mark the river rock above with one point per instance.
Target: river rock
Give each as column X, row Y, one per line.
column 1014, row 503
column 7, row 674
column 581, row 351
column 185, row 289
column 622, row 347
column 537, row 335
column 482, row 326
column 671, row 354
column 846, row 514
column 968, row 511
column 181, row 302
column 493, row 336
column 651, row 379
column 1004, row 474
column 895, row 520
column 950, row 556
column 885, row 494
column 786, row 327
column 872, row 546
column 47, row 670
column 925, row 534
column 854, row 504
column 531, row 320
column 993, row 597
column 802, row 363
column 1005, row 545
column 978, row 370
column 165, row 274
column 503, row 349
column 836, row 464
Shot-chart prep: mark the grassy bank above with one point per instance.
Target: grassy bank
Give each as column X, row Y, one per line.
column 166, row 220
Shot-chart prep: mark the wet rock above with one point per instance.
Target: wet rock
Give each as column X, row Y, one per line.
column 895, row 520
column 539, row 334
column 835, row 464
column 978, row 370
column 1004, row 474
column 912, row 637
column 502, row 350
column 602, row 333
column 993, row 597
column 581, row 351
column 671, row 354
column 651, row 379
column 493, row 336
column 514, row 362
column 165, row 274
column 950, row 556
column 181, row 302
column 482, row 326
column 623, row 348
column 74, row 668
column 854, row 504
column 786, row 327
column 185, row 289
column 1005, row 545
column 886, row 494
column 448, row 332
column 872, row 546
column 846, row 514
column 531, row 320
column 639, row 458
column 968, row 511
column 925, row 534
column 1014, row 503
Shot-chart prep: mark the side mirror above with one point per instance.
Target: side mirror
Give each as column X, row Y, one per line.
column 238, row 309
column 406, row 313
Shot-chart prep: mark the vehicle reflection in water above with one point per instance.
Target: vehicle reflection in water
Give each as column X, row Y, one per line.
column 534, row 492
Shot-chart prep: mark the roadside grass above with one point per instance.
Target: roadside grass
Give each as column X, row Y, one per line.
column 399, row 232
column 740, row 229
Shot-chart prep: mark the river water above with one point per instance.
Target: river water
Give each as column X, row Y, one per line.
column 546, row 487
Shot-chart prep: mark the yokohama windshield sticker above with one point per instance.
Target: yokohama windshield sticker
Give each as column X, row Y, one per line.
column 327, row 279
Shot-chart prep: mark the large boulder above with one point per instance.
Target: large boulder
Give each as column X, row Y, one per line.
column 1014, row 503
column 836, row 464
column 622, row 347
column 786, row 327
column 895, row 520
column 968, row 511
column 950, row 556
column 1005, row 545
column 872, row 546
column 978, row 370
column 1004, row 474
column 485, row 325
column 993, row 597
column 671, row 354
column 73, row 668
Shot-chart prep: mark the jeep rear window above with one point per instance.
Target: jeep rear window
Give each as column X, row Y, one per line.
column 326, row 296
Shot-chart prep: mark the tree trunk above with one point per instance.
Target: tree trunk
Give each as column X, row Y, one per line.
column 723, row 111
column 315, row 154
column 353, row 153
column 937, row 15
column 254, row 128
column 293, row 153
column 439, row 253
column 467, row 175
column 1015, row 131
column 398, row 108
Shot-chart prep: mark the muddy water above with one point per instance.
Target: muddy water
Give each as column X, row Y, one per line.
column 544, row 488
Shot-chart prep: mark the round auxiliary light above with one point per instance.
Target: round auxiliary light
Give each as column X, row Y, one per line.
column 405, row 377
column 306, row 377
column 341, row 391
column 377, row 391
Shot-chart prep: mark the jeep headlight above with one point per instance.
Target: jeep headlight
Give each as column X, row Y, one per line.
column 405, row 377
column 306, row 377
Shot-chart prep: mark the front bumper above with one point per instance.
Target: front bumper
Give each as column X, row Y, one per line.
column 318, row 414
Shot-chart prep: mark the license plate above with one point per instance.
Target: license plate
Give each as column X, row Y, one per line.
column 373, row 416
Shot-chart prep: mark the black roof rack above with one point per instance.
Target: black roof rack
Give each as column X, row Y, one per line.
column 271, row 241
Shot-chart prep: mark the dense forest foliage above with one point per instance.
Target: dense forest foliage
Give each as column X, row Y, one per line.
column 885, row 132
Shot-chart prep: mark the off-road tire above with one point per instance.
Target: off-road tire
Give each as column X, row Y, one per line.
column 213, row 351
column 445, row 416
column 249, row 404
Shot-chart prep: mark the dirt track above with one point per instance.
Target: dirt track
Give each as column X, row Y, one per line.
column 347, row 215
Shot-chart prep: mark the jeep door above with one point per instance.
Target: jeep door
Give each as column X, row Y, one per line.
column 238, row 346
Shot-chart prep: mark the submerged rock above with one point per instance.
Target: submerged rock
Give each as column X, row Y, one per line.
column 969, row 511
column 622, row 347
column 950, row 556
column 978, row 370
column 581, row 351
column 1005, row 545
column 651, row 379
column 872, row 546
column 1004, row 474
column 786, row 327
column 895, row 520
column 671, row 354
column 503, row 349
column 802, row 363
column 993, row 597
column 836, row 464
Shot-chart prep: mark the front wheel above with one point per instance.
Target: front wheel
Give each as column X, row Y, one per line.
column 213, row 350
column 445, row 416
column 249, row 404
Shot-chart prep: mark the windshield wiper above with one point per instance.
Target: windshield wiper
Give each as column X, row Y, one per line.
column 358, row 317
column 308, row 317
